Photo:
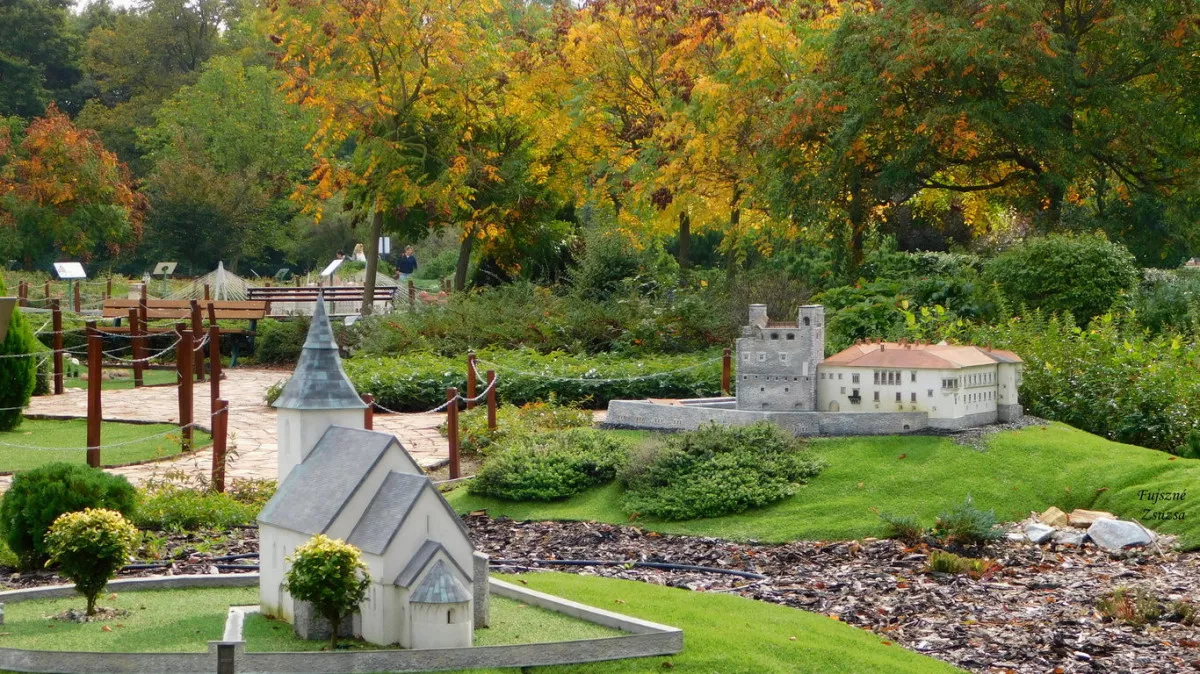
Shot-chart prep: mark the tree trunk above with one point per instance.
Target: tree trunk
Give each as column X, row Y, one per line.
column 335, row 624
column 685, row 241
column 731, row 237
column 372, row 246
column 91, row 605
column 858, row 222
column 464, row 259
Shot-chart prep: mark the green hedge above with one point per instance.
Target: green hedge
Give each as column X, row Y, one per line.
column 550, row 466
column 418, row 381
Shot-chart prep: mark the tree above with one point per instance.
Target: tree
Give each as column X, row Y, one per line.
column 64, row 193
column 89, row 547
column 39, row 57
column 227, row 153
column 331, row 575
column 18, row 374
column 386, row 80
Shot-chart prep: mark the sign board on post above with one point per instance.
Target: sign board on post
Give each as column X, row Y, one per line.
column 164, row 268
column 283, row 274
column 7, row 307
column 385, row 245
column 69, row 270
column 328, row 271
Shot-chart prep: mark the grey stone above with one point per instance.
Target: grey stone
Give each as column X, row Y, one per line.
column 1070, row 537
column 1038, row 533
column 483, row 614
column 310, row 625
column 1116, row 535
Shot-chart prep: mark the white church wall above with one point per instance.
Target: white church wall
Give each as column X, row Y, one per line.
column 429, row 520
column 441, row 625
column 275, row 545
column 393, row 459
column 299, row 430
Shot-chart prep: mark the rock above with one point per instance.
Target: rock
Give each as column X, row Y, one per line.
column 1069, row 537
column 1116, row 535
column 1085, row 518
column 1038, row 532
column 1053, row 517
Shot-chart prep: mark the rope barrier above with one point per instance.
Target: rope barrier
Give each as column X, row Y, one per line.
column 592, row 380
column 126, row 443
column 443, row 406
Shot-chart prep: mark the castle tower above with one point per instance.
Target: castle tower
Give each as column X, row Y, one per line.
column 777, row 362
column 318, row 395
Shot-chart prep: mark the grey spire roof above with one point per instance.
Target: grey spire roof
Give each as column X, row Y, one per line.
column 440, row 587
column 319, row 382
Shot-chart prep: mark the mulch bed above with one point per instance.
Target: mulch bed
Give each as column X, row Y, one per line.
column 1035, row 615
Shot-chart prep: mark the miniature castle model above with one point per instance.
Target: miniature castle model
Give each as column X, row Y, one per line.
column 782, row 368
column 872, row 388
column 429, row 587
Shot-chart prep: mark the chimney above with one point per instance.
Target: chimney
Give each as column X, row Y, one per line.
column 758, row 315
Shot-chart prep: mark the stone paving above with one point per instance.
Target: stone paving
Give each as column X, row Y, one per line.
column 251, row 424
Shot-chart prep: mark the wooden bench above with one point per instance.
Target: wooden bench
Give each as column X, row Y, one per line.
column 331, row 294
column 181, row 310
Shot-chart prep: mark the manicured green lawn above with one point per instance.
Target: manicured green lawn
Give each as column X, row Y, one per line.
column 57, row 436
column 123, row 379
column 1024, row 470
column 159, row 621
column 512, row 623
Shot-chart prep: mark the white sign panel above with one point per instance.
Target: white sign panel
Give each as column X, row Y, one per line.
column 385, row 245
column 68, row 270
column 328, row 271
column 164, row 268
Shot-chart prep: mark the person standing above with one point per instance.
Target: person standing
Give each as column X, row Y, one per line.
column 407, row 264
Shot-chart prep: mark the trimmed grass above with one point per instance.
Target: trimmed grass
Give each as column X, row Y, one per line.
column 125, row 379
column 512, row 623
column 57, row 437
column 1025, row 470
column 160, row 621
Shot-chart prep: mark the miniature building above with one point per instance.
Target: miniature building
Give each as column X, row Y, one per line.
column 781, row 368
column 429, row 587
column 777, row 362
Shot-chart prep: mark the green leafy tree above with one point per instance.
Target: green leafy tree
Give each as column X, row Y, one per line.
column 89, row 547
column 331, row 575
column 18, row 375
column 39, row 57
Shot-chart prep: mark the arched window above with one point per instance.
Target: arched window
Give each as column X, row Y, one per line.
column 806, row 321
column 450, row 617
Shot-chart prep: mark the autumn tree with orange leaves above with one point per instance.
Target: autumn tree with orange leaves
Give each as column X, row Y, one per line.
column 62, row 193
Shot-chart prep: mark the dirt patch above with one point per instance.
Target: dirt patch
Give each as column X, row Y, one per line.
column 79, row 615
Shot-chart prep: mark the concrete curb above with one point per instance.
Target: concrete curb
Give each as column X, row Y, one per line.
column 645, row 639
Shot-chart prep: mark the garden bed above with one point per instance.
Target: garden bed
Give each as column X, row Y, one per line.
column 56, row 438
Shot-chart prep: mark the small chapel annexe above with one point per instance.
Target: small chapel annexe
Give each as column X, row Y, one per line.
column 429, row 587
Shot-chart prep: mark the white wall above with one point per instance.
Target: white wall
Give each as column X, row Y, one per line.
column 977, row 390
column 274, row 546
column 429, row 520
column 430, row 628
column 297, row 432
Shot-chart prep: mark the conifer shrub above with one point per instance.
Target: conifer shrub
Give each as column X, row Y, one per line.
column 964, row 524
column 18, row 374
column 550, row 466
column 89, row 548
column 715, row 470
column 38, row 497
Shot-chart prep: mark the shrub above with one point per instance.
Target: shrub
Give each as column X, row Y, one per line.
column 331, row 575
column 89, row 547
column 1168, row 301
column 18, row 376
column 513, row 422
column 965, row 524
column 1136, row 607
column 941, row 561
column 274, row 391
column 418, row 381
column 37, row 497
column 1081, row 275
column 550, row 466
column 907, row 529
column 183, row 509
column 715, row 470
column 280, row 341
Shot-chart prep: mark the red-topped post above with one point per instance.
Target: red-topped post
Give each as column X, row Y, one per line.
column 214, row 363
column 183, row 361
column 95, row 379
column 56, row 343
column 452, row 429
column 726, row 368
column 198, row 331
column 491, row 400
column 369, row 413
column 135, row 343
column 220, row 436
column 471, row 374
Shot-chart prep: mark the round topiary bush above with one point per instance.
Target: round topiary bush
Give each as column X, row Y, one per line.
column 38, row 497
column 331, row 575
column 1084, row 274
column 89, row 547
column 17, row 375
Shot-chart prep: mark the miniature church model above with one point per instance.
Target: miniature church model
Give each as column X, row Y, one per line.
column 429, row 588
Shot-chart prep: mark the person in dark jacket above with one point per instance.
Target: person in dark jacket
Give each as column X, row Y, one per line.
column 407, row 264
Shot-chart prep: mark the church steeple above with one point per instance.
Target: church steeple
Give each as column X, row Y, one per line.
column 318, row 395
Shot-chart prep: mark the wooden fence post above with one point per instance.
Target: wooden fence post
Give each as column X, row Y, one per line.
column 214, row 363
column 369, row 413
column 725, row 372
column 143, row 312
column 206, row 291
column 136, row 350
column 56, row 343
column 412, row 295
column 46, row 291
column 183, row 363
column 471, row 374
column 78, row 299
column 108, row 289
column 95, row 379
column 491, row 399
column 452, row 429
column 22, row 293
column 220, row 436
column 198, row 332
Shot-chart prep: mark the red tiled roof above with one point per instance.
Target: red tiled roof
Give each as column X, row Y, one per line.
column 919, row 356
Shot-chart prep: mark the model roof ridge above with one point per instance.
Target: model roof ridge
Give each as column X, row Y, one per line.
column 319, row 381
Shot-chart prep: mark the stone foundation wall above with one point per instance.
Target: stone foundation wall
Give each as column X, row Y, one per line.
column 968, row 421
column 653, row 416
column 1009, row 412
